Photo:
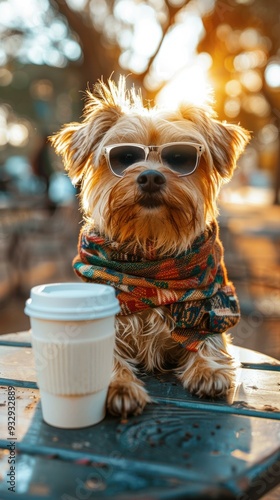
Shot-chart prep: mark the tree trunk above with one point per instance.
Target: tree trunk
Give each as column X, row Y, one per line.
column 99, row 60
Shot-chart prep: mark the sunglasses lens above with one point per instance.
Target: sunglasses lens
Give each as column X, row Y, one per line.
column 122, row 157
column 181, row 158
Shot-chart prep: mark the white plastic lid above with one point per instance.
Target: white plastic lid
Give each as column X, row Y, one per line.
column 72, row 301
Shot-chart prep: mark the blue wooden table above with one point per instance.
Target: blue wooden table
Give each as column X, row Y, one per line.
column 181, row 447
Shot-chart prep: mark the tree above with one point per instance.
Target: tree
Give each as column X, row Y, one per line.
column 99, row 57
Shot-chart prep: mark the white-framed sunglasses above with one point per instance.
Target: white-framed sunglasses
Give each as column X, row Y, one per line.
column 181, row 157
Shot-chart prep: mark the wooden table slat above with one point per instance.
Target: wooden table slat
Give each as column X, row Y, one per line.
column 104, row 481
column 256, row 391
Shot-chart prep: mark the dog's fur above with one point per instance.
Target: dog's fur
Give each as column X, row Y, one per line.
column 113, row 115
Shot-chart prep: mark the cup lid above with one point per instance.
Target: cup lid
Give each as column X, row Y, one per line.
column 72, row 301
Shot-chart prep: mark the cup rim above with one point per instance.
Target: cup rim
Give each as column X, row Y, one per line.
column 48, row 302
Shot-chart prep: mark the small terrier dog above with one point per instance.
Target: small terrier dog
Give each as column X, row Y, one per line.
column 149, row 181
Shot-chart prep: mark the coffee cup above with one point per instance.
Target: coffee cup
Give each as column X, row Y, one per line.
column 73, row 336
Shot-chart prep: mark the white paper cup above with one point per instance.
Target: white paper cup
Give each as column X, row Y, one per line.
column 73, row 336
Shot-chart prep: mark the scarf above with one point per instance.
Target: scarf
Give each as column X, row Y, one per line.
column 193, row 286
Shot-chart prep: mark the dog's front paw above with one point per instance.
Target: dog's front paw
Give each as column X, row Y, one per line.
column 209, row 372
column 126, row 398
column 208, row 382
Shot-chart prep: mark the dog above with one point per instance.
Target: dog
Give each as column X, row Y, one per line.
column 149, row 180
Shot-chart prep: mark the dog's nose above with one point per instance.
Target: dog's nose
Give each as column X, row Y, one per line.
column 151, row 181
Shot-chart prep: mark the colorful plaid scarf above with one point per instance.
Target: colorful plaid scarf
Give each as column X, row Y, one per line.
column 193, row 285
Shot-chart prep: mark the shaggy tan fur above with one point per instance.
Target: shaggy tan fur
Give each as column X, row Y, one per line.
column 187, row 206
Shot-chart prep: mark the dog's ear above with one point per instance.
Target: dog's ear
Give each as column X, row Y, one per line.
column 226, row 143
column 77, row 142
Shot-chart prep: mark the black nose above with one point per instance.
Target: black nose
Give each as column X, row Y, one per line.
column 151, row 181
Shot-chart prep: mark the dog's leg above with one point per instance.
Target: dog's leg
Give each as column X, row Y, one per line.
column 127, row 394
column 210, row 371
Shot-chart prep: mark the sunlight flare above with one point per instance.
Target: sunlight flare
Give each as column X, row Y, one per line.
column 190, row 85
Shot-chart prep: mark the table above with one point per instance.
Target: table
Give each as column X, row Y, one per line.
column 181, row 447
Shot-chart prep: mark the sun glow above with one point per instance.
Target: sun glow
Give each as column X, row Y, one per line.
column 190, row 85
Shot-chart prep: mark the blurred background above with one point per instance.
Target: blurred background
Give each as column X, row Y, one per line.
column 52, row 50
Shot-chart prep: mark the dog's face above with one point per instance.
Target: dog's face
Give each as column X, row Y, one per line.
column 165, row 194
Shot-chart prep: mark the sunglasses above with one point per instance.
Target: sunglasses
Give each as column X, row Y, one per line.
column 181, row 157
